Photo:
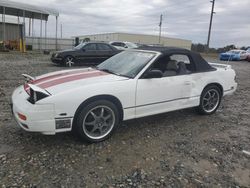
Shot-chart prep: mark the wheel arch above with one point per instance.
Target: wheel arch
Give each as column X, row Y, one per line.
column 68, row 55
column 216, row 84
column 110, row 98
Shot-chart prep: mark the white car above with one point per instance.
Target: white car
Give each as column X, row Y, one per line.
column 123, row 45
column 131, row 84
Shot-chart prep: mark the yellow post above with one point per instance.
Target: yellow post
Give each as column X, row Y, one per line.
column 21, row 45
column 24, row 45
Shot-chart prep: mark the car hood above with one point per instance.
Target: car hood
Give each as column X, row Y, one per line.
column 228, row 54
column 65, row 51
column 61, row 81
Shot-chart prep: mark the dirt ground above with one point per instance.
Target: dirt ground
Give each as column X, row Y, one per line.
column 177, row 149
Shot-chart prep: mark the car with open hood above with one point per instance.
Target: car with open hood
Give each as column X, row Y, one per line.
column 132, row 84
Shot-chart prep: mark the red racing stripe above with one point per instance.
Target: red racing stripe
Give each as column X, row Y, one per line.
column 59, row 75
column 70, row 78
column 37, row 81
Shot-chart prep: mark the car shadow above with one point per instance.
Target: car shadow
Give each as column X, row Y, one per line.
column 63, row 139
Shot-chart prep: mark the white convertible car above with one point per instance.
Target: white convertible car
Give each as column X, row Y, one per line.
column 132, row 84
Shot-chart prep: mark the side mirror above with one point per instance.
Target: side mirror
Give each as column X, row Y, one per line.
column 83, row 50
column 154, row 73
column 125, row 46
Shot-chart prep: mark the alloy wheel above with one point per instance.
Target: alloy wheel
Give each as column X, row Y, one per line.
column 98, row 122
column 69, row 61
column 211, row 100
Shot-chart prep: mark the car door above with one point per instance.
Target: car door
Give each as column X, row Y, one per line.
column 104, row 52
column 158, row 95
column 87, row 54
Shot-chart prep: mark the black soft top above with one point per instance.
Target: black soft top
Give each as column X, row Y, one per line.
column 201, row 64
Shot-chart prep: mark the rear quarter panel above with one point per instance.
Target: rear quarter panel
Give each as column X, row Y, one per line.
column 222, row 76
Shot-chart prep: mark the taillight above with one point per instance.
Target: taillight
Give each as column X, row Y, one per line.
column 22, row 117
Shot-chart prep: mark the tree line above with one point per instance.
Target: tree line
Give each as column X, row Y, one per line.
column 203, row 48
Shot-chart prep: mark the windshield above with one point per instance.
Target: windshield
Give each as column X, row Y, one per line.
column 131, row 45
column 80, row 46
column 127, row 63
column 234, row 52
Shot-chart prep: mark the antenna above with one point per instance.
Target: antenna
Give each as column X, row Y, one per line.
column 229, row 59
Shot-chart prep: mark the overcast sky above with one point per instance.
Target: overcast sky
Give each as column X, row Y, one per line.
column 187, row 19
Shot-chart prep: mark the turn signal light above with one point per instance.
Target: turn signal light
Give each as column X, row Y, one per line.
column 22, row 117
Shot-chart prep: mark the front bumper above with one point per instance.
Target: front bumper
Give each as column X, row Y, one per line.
column 228, row 58
column 40, row 117
column 56, row 59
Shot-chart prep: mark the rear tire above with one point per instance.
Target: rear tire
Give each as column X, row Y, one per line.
column 210, row 100
column 96, row 121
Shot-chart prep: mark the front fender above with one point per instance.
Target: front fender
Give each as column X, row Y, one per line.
column 68, row 101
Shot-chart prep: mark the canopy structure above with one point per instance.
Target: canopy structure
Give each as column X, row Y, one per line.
column 16, row 9
column 27, row 11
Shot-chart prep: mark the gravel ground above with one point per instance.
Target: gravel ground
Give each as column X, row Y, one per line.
column 177, row 149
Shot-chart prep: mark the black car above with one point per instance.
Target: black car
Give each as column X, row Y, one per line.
column 92, row 53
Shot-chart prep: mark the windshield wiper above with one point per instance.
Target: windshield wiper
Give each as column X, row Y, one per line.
column 106, row 70
column 111, row 72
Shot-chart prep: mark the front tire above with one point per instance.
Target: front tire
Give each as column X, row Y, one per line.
column 69, row 61
column 97, row 121
column 210, row 100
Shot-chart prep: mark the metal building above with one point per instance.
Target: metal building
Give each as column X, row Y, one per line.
column 12, row 31
column 139, row 38
column 22, row 11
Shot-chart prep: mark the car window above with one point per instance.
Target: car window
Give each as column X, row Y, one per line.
column 116, row 44
column 173, row 65
column 234, row 52
column 127, row 63
column 90, row 47
column 187, row 63
column 103, row 47
column 80, row 46
column 122, row 44
column 180, row 57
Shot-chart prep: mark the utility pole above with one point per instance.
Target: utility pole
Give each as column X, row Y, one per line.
column 160, row 29
column 210, row 24
column 61, row 31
